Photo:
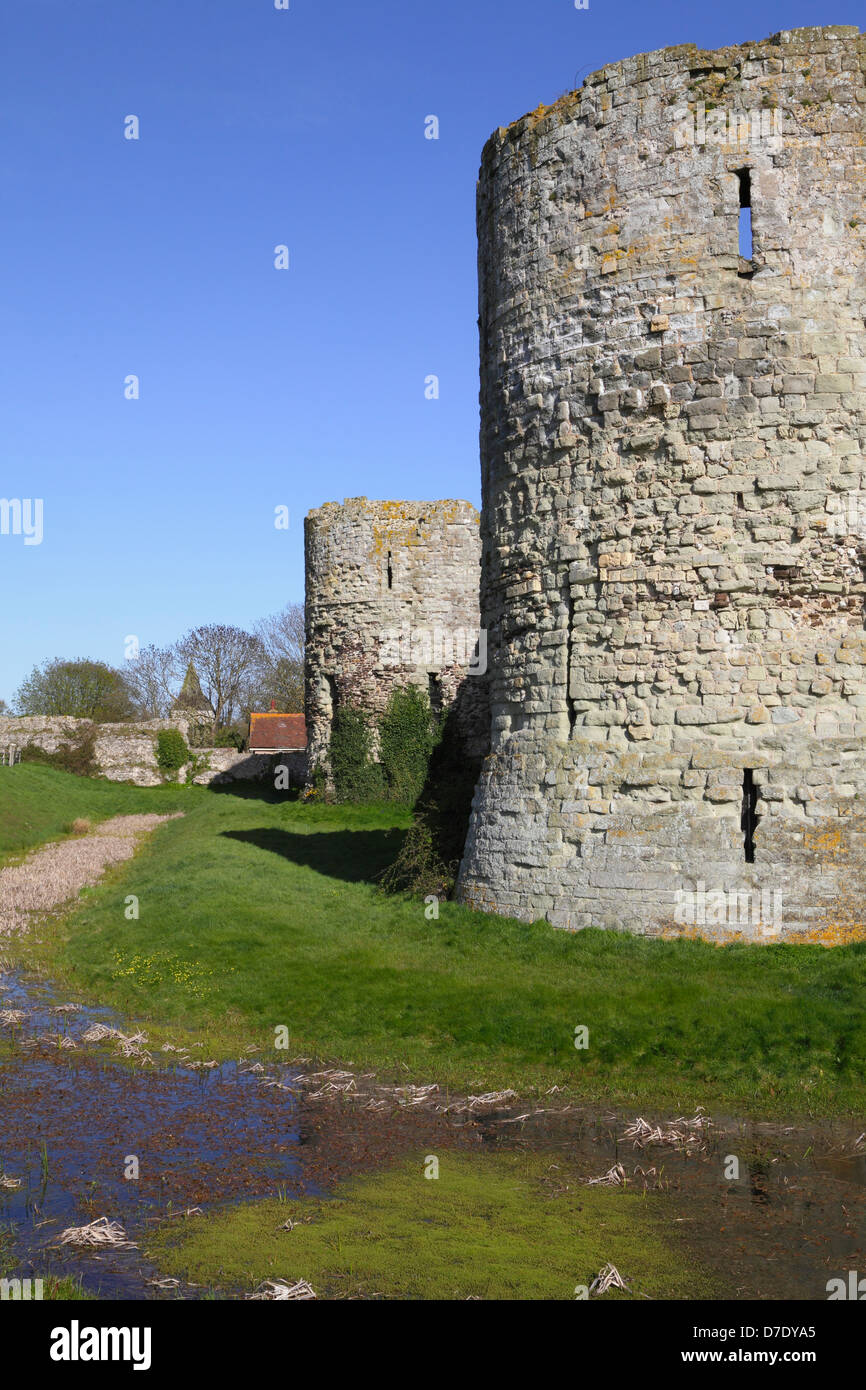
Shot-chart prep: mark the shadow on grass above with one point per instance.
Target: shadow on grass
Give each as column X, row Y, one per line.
column 254, row 791
column 356, row 856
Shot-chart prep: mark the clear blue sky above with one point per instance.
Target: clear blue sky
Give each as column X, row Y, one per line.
column 155, row 257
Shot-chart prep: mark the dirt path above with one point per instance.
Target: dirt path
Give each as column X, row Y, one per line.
column 56, row 873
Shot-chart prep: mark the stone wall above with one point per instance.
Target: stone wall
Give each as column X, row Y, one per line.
column 227, row 765
column 391, row 600
column 674, row 496
column 127, row 752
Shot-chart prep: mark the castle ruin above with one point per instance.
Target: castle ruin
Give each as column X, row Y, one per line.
column 674, row 497
column 392, row 599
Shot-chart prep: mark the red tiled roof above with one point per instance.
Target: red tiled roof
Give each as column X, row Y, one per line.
column 281, row 732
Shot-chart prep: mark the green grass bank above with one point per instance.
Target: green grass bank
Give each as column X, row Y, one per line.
column 38, row 803
column 256, row 913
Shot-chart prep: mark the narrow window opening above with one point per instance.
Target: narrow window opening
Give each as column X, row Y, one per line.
column 749, row 818
column 741, row 501
column 390, row 572
column 745, row 179
column 435, row 694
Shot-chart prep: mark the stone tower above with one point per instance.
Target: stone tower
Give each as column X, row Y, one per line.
column 674, row 497
column 392, row 600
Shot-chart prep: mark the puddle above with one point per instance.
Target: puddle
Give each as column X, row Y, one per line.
column 793, row 1217
column 72, row 1121
column 72, row 1118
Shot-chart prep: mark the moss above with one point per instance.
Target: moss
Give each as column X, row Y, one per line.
column 515, row 1226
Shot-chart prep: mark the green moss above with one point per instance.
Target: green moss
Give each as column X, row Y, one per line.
column 499, row 1226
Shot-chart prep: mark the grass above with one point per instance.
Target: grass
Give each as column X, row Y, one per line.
column 256, row 913
column 38, row 804
column 498, row 1227
column 54, row 1289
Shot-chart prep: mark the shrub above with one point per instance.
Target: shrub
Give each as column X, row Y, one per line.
column 171, row 751
column 200, row 735
column 198, row 762
column 432, row 848
column 230, row 738
column 356, row 776
column 407, row 737
column 77, row 755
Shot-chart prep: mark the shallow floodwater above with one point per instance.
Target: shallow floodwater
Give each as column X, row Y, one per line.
column 74, row 1123
column 793, row 1218
column 73, row 1118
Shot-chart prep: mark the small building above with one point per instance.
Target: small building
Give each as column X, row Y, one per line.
column 284, row 735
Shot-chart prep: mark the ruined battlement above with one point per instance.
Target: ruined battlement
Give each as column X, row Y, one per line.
column 674, row 492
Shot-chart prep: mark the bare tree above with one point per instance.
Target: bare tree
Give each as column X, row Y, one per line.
column 281, row 677
column 225, row 659
column 154, row 678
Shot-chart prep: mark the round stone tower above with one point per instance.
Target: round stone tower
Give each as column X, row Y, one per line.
column 392, row 600
column 674, row 497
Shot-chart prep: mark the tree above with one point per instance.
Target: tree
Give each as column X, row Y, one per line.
column 153, row 678
column 81, row 689
column 281, row 677
column 225, row 658
column 4, row 709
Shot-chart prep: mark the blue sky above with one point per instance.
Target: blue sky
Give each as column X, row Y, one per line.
column 259, row 387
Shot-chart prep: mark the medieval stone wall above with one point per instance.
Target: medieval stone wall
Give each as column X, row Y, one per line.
column 674, row 496
column 127, row 752
column 391, row 600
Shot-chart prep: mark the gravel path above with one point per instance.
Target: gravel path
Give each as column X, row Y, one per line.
column 56, row 873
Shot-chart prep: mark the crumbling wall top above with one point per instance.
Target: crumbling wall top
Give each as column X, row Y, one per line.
column 809, row 42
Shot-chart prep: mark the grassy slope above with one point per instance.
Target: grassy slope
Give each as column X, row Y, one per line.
column 501, row 1226
column 256, row 914
column 38, row 804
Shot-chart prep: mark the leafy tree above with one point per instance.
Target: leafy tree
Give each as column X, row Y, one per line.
column 82, row 689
